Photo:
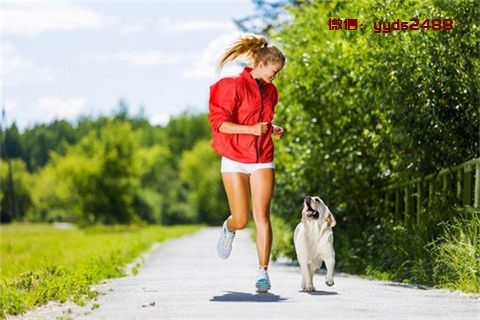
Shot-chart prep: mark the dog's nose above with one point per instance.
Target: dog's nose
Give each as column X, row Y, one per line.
column 308, row 198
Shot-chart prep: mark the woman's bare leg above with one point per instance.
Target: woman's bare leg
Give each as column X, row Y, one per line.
column 238, row 189
column 262, row 184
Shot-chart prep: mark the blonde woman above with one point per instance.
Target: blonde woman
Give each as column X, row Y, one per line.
column 241, row 114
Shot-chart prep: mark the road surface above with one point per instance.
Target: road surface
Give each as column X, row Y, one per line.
column 185, row 279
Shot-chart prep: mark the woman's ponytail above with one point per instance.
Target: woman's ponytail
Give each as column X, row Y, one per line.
column 248, row 45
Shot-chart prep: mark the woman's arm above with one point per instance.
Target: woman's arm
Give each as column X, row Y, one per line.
column 257, row 129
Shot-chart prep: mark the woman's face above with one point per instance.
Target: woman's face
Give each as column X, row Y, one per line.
column 269, row 71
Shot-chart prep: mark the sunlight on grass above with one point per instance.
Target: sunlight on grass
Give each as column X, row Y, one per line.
column 457, row 255
column 40, row 263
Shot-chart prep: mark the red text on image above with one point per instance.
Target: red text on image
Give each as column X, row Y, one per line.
column 413, row 25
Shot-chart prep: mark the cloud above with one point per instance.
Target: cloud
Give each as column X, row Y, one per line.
column 205, row 66
column 44, row 110
column 162, row 118
column 18, row 70
column 139, row 58
column 30, row 19
column 197, row 25
column 60, row 108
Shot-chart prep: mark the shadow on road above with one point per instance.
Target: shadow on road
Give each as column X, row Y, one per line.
column 320, row 293
column 232, row 296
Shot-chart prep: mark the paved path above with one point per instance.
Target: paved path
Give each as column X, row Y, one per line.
column 184, row 279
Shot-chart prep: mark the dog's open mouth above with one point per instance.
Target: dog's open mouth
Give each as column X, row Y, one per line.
column 310, row 212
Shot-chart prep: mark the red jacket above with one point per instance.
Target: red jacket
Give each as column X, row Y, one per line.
column 239, row 100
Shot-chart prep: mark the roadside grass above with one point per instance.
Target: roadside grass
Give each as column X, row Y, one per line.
column 457, row 255
column 40, row 263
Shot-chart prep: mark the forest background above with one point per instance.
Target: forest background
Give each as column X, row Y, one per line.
column 362, row 111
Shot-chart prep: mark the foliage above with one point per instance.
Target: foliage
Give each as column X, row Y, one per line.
column 41, row 263
column 364, row 109
column 185, row 130
column 117, row 169
column 268, row 16
column 15, row 197
column 456, row 255
column 96, row 179
column 205, row 194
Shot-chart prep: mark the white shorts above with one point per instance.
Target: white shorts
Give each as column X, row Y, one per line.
column 235, row 166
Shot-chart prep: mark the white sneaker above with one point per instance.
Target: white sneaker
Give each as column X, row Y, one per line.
column 224, row 244
column 263, row 281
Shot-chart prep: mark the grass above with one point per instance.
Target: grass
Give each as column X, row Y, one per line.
column 40, row 263
column 457, row 255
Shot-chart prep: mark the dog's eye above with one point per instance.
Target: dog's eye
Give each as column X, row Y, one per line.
column 316, row 199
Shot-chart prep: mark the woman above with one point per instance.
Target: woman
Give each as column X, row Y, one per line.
column 241, row 114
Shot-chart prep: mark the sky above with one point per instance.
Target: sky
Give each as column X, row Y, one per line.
column 65, row 59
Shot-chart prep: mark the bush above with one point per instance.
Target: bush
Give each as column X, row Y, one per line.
column 456, row 255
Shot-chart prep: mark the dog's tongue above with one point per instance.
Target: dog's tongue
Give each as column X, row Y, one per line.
column 311, row 213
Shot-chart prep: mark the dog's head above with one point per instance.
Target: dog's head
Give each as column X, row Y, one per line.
column 315, row 209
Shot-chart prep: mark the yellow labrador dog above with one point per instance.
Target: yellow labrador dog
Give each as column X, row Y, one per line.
column 313, row 239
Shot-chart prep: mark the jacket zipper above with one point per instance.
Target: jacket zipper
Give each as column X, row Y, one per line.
column 259, row 119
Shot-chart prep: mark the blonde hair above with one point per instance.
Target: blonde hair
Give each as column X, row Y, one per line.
column 255, row 48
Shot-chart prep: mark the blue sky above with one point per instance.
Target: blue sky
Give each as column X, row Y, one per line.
column 62, row 59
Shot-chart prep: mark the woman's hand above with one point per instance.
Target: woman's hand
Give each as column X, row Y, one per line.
column 278, row 131
column 259, row 129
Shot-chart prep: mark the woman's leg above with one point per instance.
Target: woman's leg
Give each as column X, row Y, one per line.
column 237, row 188
column 262, row 184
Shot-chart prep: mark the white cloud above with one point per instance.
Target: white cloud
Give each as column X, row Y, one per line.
column 30, row 19
column 151, row 58
column 60, row 108
column 45, row 109
column 18, row 70
column 206, row 65
column 138, row 58
column 165, row 25
column 164, row 116
column 197, row 25
column 11, row 108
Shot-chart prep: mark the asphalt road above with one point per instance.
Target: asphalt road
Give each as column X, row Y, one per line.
column 185, row 279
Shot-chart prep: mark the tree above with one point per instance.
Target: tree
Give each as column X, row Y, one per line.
column 157, row 178
column 15, row 198
column 11, row 143
column 96, row 179
column 200, row 173
column 184, row 131
column 268, row 16
column 362, row 108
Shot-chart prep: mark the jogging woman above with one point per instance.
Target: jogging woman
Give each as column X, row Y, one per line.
column 241, row 114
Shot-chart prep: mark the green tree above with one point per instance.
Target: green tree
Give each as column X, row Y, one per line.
column 39, row 141
column 157, row 178
column 362, row 108
column 15, row 195
column 97, row 179
column 11, row 145
column 200, row 173
column 184, row 130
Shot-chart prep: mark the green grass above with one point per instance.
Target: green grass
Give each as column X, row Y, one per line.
column 457, row 255
column 39, row 263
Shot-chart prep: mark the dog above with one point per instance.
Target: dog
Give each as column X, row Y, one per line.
column 313, row 239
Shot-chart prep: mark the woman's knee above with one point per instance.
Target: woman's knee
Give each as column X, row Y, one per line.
column 262, row 220
column 239, row 223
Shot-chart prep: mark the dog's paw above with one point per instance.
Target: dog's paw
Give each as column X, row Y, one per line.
column 308, row 288
column 329, row 283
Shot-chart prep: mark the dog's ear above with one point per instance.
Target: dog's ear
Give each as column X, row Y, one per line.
column 331, row 222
